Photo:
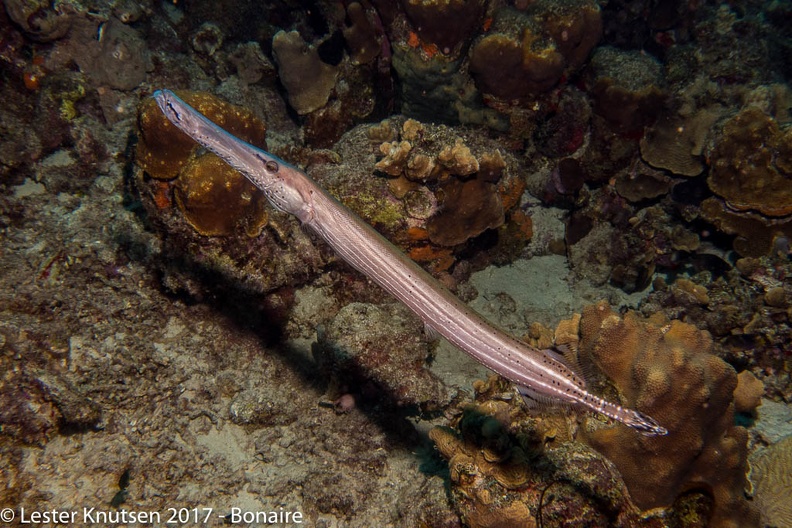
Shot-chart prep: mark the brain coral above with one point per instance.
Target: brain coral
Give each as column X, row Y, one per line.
column 772, row 480
column 669, row 372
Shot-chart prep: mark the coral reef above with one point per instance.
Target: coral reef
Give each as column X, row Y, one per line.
column 668, row 371
column 676, row 143
column 430, row 18
column 772, row 482
column 163, row 150
column 512, row 468
column 746, row 309
column 308, row 80
column 527, row 52
column 752, row 165
column 667, row 150
column 756, row 234
column 473, row 184
column 378, row 352
column 627, row 87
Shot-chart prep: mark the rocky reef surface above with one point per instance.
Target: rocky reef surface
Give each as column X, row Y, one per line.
column 610, row 178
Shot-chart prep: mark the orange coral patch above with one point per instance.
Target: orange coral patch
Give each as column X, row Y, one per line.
column 430, row 49
column 524, row 224
column 417, row 233
column 162, row 196
column 510, row 191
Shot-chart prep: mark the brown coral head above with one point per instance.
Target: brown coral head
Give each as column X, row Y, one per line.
column 752, row 165
column 218, row 201
column 163, row 150
column 468, row 209
column 445, row 23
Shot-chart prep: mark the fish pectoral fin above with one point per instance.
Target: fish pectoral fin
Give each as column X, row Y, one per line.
column 432, row 335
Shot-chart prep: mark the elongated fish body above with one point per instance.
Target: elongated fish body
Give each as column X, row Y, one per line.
column 536, row 372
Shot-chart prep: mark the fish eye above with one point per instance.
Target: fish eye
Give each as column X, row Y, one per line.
column 271, row 166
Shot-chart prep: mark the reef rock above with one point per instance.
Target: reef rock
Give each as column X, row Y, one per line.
column 382, row 345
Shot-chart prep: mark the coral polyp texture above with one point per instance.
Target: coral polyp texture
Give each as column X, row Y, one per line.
column 216, row 200
column 527, row 52
column 668, row 370
column 751, row 171
column 163, row 150
column 752, row 164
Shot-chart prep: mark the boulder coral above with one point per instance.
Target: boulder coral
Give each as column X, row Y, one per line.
column 627, row 86
column 668, row 371
column 214, row 198
column 163, row 150
column 217, row 201
column 430, row 18
column 527, row 52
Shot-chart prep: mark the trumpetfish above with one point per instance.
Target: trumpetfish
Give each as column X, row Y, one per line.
column 539, row 374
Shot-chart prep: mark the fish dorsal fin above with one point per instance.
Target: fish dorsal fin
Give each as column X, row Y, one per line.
column 432, row 335
column 570, row 356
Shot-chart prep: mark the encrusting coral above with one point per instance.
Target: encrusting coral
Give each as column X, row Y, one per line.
column 752, row 164
column 668, row 371
column 751, row 167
